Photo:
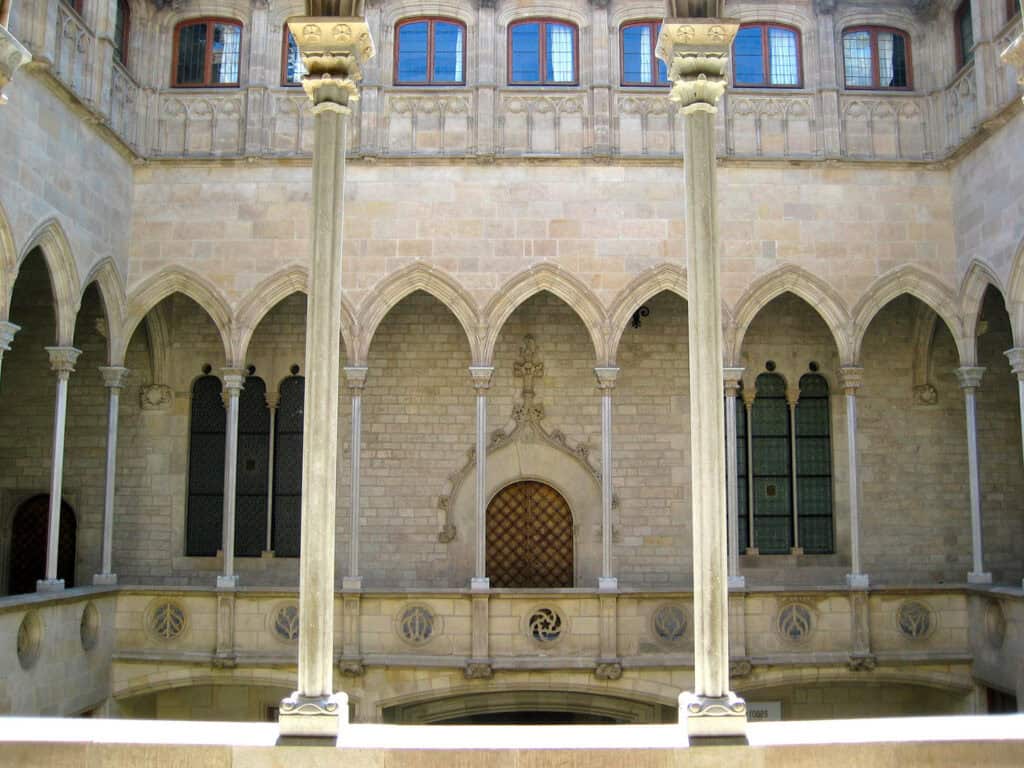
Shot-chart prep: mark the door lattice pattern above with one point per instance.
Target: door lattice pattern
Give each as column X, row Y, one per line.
column 529, row 538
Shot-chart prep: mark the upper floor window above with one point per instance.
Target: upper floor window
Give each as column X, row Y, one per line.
column 767, row 55
column 639, row 64
column 876, row 57
column 292, row 68
column 1012, row 9
column 207, row 53
column 542, row 52
column 430, row 51
column 121, row 24
column 964, row 27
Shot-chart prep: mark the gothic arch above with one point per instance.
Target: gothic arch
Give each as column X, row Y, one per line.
column 972, row 293
column 49, row 237
column 111, row 288
column 161, row 285
column 415, row 277
column 555, row 280
column 645, row 286
column 8, row 264
column 915, row 282
column 1015, row 296
column 803, row 284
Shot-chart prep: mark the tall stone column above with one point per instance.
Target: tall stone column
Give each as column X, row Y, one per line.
column 62, row 362
column 234, row 379
column 482, row 375
column 696, row 51
column 850, row 378
column 1016, row 357
column 13, row 55
column 732, row 377
column 749, row 395
column 970, row 379
column 606, row 378
column 332, row 49
column 7, row 331
column 273, row 399
column 113, row 379
column 355, row 377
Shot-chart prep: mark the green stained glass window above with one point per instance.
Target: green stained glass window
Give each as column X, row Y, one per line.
column 771, row 483
column 814, row 466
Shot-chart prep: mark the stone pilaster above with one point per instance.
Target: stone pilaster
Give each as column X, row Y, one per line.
column 969, row 378
column 7, row 332
column 333, row 49
column 732, row 378
column 113, row 380
column 234, row 379
column 1016, row 358
column 355, row 378
column 13, row 55
column 481, row 375
column 273, row 399
column 606, row 378
column 850, row 379
column 62, row 362
column 696, row 51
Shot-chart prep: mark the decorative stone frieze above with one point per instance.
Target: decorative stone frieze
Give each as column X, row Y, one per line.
column 155, row 397
column 13, row 56
column 333, row 50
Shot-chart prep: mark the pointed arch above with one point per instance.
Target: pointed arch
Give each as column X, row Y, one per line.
column 914, row 281
column 805, row 285
column 645, row 286
column 111, row 288
column 172, row 280
column 398, row 285
column 554, row 280
column 8, row 264
column 972, row 293
column 50, row 239
column 1015, row 296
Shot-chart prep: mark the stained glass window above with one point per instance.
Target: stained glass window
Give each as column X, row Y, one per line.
column 208, row 52
column 773, row 506
column 742, row 503
column 814, row 465
column 875, row 57
column 430, row 51
column 253, row 466
column 205, row 469
column 542, row 53
column 287, row 509
column 639, row 64
column 767, row 55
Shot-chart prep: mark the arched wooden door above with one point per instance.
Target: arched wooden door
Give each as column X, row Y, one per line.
column 28, row 545
column 529, row 537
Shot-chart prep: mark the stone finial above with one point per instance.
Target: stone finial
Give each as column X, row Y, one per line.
column 851, row 378
column 113, row 376
column 482, row 376
column 62, row 359
column 969, row 377
column 13, row 55
column 606, row 378
column 7, row 332
column 696, row 54
column 1016, row 358
column 355, row 377
column 732, row 378
column 333, row 50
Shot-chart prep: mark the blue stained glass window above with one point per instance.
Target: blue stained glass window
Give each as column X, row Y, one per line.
column 639, row 65
column 542, row 52
column 412, row 52
column 526, row 53
column 748, row 56
column 448, row 52
column 766, row 55
column 294, row 69
column 430, row 51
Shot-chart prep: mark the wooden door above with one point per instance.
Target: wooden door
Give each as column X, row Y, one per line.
column 529, row 538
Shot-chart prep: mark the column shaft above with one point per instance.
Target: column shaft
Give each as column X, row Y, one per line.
column 232, row 388
column 356, row 378
column 792, row 477
column 606, row 378
column 732, row 381
column 113, row 378
column 748, row 407
column 851, row 380
column 970, row 379
column 481, row 375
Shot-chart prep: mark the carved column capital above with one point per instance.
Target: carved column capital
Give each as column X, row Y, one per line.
column 749, row 394
column 851, row 378
column 969, row 377
column 113, row 376
column 696, row 52
column 13, row 56
column 62, row 360
column 273, row 399
column 355, row 377
column 482, row 376
column 732, row 378
column 1016, row 358
column 7, row 332
column 333, row 50
column 234, row 380
column 606, row 378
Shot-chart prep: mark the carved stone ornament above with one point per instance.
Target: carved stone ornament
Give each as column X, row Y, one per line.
column 166, row 620
column 448, row 532
column 13, row 56
column 713, row 706
column 30, row 639
column 333, row 50
column 351, row 668
column 285, row 622
column 866, row 663
column 697, row 55
column 417, row 625
column 926, row 394
column 795, row 623
column 155, row 397
column 608, row 671
column 303, row 716
column 741, row 668
column 825, row 7
column 545, row 625
column 669, row 623
column 914, row 620
column 995, row 624
column 476, row 670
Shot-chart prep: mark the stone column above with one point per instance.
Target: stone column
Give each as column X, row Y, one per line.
column 13, row 55
column 332, row 50
column 355, row 377
column 113, row 379
column 696, row 51
column 273, row 399
column 606, row 378
column 7, row 331
column 850, row 378
column 234, row 378
column 749, row 395
column 792, row 398
column 62, row 362
column 1016, row 357
column 482, row 375
column 731, row 377
column 970, row 379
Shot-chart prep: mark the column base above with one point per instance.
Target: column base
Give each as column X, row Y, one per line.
column 50, row 585
column 227, row 582
column 737, row 582
column 318, row 717
column 713, row 716
column 979, row 578
column 478, row 584
column 607, row 584
column 858, row 581
column 104, row 580
column 352, row 583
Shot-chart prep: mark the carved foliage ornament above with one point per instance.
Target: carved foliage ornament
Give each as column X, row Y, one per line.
column 795, row 623
column 286, row 623
column 914, row 620
column 166, row 620
column 669, row 624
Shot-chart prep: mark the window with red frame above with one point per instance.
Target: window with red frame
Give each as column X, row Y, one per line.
column 122, row 22
column 292, row 68
column 877, row 57
column 639, row 64
column 430, row 51
column 964, row 28
column 542, row 52
column 207, row 53
column 767, row 56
